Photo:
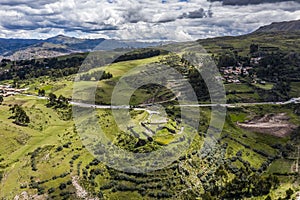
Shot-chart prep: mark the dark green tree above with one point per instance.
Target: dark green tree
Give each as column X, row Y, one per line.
column 268, row 198
column 41, row 92
column 62, row 102
column 52, row 100
column 254, row 48
column 16, row 83
column 227, row 60
column 289, row 193
column 20, row 116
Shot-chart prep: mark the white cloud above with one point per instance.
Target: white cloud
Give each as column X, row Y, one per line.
column 136, row 19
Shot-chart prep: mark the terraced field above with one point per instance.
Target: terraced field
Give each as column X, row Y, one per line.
column 51, row 157
column 48, row 160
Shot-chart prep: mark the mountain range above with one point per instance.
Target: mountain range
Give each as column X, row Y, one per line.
column 24, row 49
column 288, row 26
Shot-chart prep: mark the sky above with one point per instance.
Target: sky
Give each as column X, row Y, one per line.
column 143, row 20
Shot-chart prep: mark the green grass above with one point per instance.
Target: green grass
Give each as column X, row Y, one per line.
column 239, row 117
column 267, row 86
column 295, row 89
column 253, row 158
column 48, row 132
column 242, row 43
column 16, row 154
column 281, row 166
column 246, row 92
column 163, row 137
column 65, row 86
column 239, row 88
column 55, row 133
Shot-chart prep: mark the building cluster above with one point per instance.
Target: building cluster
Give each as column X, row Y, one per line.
column 255, row 61
column 8, row 90
column 231, row 74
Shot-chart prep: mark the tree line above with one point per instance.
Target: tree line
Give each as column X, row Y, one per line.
column 53, row 67
column 96, row 76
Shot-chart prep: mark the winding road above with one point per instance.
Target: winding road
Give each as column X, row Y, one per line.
column 143, row 107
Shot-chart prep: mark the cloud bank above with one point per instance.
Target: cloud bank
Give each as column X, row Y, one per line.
column 178, row 20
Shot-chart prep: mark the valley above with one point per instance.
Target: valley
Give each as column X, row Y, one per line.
column 63, row 133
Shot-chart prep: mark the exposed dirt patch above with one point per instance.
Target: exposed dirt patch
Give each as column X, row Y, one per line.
column 26, row 196
column 80, row 191
column 273, row 124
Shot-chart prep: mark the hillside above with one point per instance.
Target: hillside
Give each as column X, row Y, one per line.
column 281, row 35
column 49, row 152
column 25, row 49
column 290, row 26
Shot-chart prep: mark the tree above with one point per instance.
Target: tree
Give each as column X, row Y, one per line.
column 207, row 196
column 289, row 193
column 16, row 81
column 62, row 102
column 41, row 93
column 253, row 48
column 52, row 100
column 226, row 60
column 20, row 116
column 62, row 186
column 221, row 172
column 268, row 198
column 96, row 76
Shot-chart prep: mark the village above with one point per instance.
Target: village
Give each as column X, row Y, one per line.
column 8, row 90
column 233, row 74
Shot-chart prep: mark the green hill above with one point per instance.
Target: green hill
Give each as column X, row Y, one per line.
column 256, row 155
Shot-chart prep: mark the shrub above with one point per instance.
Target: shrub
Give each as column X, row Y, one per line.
column 51, row 190
column 60, row 148
column 62, row 186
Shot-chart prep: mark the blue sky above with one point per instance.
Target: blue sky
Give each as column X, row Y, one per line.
column 147, row 20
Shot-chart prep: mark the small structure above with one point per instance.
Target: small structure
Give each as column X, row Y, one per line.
column 8, row 90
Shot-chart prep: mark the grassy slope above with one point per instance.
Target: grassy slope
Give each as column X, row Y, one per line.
column 49, row 132
column 17, row 157
column 261, row 142
column 64, row 86
column 56, row 133
column 286, row 42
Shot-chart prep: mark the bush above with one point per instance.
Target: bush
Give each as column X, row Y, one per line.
column 289, row 193
column 100, row 195
column 62, row 186
column 268, row 198
column 75, row 157
column 60, row 148
column 51, row 190
column 67, row 145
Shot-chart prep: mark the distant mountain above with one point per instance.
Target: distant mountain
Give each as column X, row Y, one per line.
column 76, row 43
column 21, row 49
column 283, row 36
column 7, row 45
column 40, row 50
column 288, row 26
column 247, row 2
column 62, row 39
